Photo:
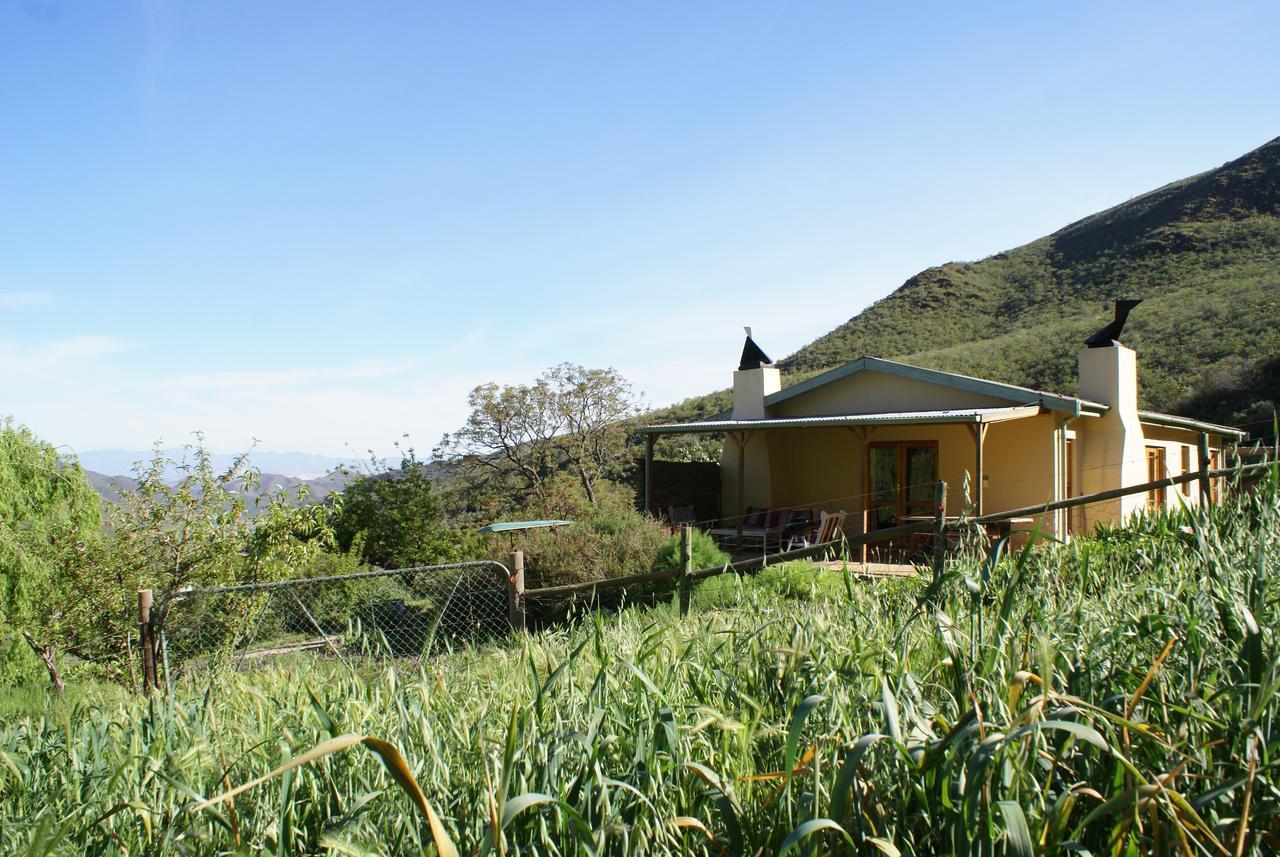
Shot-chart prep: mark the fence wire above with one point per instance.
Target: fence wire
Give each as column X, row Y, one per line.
column 392, row 615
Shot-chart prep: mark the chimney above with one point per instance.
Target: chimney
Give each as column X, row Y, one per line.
column 1113, row 446
column 1109, row 376
column 756, row 378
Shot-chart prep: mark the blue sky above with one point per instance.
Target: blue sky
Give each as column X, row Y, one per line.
column 321, row 224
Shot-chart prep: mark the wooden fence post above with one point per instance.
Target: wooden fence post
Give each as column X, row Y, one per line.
column 146, row 641
column 515, row 592
column 939, row 527
column 866, row 522
column 1206, row 491
column 686, row 569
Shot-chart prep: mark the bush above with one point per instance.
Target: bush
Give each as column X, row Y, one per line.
column 395, row 516
column 596, row 548
column 706, row 553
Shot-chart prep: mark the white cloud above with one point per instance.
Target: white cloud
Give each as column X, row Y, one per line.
column 25, row 300
column 272, row 379
column 51, row 356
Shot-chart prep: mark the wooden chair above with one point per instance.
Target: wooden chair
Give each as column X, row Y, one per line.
column 830, row 525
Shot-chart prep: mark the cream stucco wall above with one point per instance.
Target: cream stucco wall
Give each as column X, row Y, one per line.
column 1112, row 452
column 1175, row 441
column 1024, row 468
column 822, row 468
column 819, row 469
column 759, row 466
column 876, row 392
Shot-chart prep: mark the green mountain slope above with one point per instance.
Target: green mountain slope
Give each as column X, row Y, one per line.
column 1204, row 254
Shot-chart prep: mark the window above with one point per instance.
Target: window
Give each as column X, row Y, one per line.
column 1186, row 458
column 1155, row 470
column 900, row 481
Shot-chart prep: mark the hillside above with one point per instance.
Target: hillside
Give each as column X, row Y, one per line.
column 111, row 487
column 1203, row 252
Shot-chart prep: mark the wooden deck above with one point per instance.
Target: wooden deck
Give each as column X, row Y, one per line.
column 871, row 569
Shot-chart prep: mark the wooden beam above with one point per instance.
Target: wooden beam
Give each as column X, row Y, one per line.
column 1202, row 444
column 741, row 439
column 979, row 433
column 648, row 472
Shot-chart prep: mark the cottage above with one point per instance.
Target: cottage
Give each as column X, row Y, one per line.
column 872, row 438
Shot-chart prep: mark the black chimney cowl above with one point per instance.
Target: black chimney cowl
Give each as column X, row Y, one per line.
column 1110, row 335
column 752, row 355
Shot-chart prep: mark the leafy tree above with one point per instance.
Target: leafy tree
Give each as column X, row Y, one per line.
column 187, row 524
column 569, row 419
column 393, row 517
column 49, row 516
column 593, row 405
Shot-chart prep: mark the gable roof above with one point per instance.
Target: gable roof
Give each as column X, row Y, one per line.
column 1009, row 392
column 952, row 415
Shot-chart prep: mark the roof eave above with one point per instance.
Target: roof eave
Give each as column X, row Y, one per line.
column 977, row 415
column 1174, row 421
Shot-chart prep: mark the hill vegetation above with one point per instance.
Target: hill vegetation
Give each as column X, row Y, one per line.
column 1203, row 253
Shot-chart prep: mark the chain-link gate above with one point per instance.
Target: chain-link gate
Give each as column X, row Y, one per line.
column 399, row 614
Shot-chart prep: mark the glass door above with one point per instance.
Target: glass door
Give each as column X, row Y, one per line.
column 882, row 470
column 901, row 476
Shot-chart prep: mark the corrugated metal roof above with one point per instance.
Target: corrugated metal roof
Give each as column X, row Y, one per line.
column 961, row 415
column 509, row 526
column 1188, row 423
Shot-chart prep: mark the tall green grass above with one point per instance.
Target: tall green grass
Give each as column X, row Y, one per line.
column 1114, row 696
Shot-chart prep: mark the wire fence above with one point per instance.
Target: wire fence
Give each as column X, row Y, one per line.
column 402, row 615
column 407, row 615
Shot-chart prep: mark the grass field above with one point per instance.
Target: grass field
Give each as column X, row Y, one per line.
column 1116, row 696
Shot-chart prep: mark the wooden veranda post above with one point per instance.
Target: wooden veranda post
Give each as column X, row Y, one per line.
column 740, row 441
column 939, row 527
column 515, row 592
column 648, row 473
column 146, row 640
column 1206, row 491
column 686, row 569
column 979, row 433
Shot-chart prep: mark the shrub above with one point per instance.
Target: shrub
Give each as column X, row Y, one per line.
column 596, row 548
column 395, row 516
column 706, row 553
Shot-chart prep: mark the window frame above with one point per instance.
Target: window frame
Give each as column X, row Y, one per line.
column 1157, row 468
column 901, row 506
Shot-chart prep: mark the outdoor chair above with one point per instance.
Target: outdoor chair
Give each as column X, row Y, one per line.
column 681, row 516
column 758, row 525
column 830, row 525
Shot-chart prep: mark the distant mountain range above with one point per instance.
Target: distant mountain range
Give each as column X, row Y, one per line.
column 1203, row 253
column 111, row 487
column 112, row 471
column 298, row 465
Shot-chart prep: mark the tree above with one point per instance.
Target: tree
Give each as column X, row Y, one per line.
column 592, row 404
column 188, row 524
column 49, row 517
column 393, row 516
column 569, row 419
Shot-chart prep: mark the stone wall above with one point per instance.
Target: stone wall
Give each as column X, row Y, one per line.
column 681, row 483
